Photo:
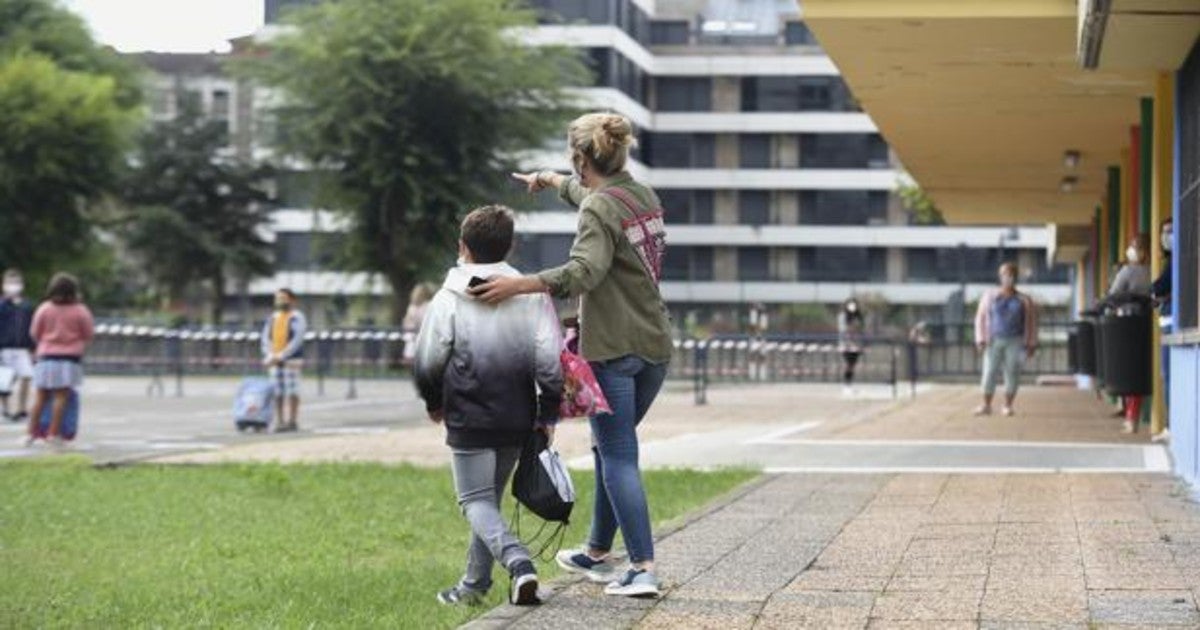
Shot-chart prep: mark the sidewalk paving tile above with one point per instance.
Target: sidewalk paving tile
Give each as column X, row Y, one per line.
column 1153, row 607
column 946, row 605
column 701, row 615
column 817, row 609
column 1030, row 605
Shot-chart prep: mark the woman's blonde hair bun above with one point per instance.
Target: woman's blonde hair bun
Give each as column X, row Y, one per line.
column 604, row 139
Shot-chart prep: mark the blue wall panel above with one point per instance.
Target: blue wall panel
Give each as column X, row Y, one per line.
column 1185, row 412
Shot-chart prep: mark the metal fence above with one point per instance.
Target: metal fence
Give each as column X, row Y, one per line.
column 948, row 351
column 175, row 353
column 951, row 351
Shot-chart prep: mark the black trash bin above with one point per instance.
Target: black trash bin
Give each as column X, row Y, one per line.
column 1072, row 352
column 1098, row 346
column 1084, row 351
column 1127, row 354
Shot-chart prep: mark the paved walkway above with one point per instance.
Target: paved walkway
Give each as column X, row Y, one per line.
column 916, row 551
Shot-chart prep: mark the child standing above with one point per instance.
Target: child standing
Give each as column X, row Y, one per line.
column 492, row 375
column 63, row 328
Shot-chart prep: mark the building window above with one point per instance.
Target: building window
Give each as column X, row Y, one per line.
column 688, row 264
column 843, row 150
column 798, row 34
column 669, row 33
column 754, row 264
column 161, row 102
column 789, row 94
column 842, row 264
column 754, row 207
column 922, row 264
column 680, row 150
column 600, row 62
column 308, row 251
column 568, row 11
column 535, row 252
column 296, row 189
column 683, row 207
column 755, row 150
column 843, row 207
column 684, row 94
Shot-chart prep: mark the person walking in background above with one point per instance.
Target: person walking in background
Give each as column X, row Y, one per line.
column 1133, row 280
column 1006, row 333
column 283, row 354
column 625, row 333
column 63, row 328
column 851, row 327
column 492, row 375
column 418, row 303
column 1160, row 290
column 16, row 343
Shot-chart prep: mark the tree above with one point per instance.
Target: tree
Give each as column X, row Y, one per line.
column 919, row 206
column 198, row 215
column 67, row 112
column 62, row 135
column 417, row 110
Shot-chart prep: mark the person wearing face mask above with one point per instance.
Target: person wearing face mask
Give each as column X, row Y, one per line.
column 1160, row 290
column 16, row 342
column 850, row 339
column 283, row 354
column 1006, row 334
column 624, row 332
column 1133, row 279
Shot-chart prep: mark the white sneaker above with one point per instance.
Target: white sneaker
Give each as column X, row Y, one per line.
column 579, row 562
column 634, row 584
column 1161, row 436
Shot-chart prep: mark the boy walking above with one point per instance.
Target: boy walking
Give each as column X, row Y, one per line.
column 491, row 374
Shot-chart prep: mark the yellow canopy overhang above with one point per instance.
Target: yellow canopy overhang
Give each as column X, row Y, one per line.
column 981, row 99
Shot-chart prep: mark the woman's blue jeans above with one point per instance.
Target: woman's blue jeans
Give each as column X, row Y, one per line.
column 630, row 384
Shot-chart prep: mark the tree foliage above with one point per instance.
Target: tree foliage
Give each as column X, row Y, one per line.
column 67, row 110
column 61, row 139
column 417, row 110
column 919, row 205
column 199, row 214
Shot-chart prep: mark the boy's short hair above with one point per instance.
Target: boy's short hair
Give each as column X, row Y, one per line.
column 488, row 234
column 291, row 295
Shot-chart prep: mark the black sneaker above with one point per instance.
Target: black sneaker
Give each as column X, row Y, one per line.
column 459, row 595
column 523, row 590
column 19, row 416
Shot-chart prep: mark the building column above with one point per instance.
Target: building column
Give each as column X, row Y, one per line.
column 725, row 264
column 897, row 266
column 1160, row 194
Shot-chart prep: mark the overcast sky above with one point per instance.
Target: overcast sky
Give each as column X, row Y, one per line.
column 169, row 25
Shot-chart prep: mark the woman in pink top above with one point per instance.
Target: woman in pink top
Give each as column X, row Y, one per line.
column 63, row 328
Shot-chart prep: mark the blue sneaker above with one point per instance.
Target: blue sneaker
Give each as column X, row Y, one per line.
column 634, row 584
column 577, row 561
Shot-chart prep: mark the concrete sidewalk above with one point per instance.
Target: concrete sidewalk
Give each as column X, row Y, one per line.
column 916, row 551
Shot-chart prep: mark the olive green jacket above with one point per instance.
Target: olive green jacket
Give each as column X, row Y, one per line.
column 621, row 311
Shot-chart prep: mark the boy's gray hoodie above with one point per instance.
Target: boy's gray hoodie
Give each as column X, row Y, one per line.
column 492, row 370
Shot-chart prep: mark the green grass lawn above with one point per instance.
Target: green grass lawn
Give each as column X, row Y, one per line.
column 345, row 545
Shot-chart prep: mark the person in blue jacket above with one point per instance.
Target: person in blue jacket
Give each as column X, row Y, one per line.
column 16, row 344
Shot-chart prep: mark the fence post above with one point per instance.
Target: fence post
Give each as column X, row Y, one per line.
column 352, row 390
column 700, row 380
column 894, row 353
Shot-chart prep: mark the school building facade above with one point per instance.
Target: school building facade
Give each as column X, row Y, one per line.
column 1083, row 115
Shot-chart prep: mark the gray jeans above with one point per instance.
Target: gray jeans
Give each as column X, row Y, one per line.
column 480, row 478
